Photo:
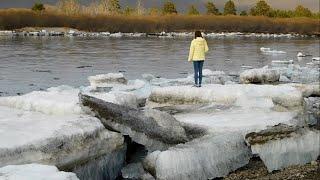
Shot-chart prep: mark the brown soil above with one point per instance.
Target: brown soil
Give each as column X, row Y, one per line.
column 257, row 170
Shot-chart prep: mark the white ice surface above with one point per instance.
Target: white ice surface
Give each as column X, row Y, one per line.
column 34, row 125
column 237, row 120
column 57, row 100
column 19, row 128
column 34, row 172
column 117, row 97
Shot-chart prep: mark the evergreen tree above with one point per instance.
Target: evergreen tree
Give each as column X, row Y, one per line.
column 243, row 13
column 38, row 7
column 193, row 10
column 301, row 11
column 169, row 8
column 113, row 6
column 230, row 8
column 211, row 9
column 261, row 9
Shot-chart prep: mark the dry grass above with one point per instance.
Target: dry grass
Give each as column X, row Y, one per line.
column 19, row 18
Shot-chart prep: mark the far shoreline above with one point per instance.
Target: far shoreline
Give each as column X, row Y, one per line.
column 71, row 32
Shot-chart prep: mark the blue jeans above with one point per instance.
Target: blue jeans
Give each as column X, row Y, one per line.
column 197, row 65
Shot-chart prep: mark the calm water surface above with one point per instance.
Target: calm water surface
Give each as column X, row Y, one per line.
column 35, row 63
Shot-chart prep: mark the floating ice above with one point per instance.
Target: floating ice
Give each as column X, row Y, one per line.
column 281, row 62
column 316, row 58
column 300, row 54
column 262, row 75
column 106, row 80
column 270, row 51
column 34, row 172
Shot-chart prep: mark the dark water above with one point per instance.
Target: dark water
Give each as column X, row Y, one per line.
column 34, row 63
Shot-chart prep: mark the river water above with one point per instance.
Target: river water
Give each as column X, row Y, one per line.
column 36, row 63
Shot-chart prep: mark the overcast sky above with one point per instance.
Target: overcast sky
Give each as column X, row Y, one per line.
column 182, row 4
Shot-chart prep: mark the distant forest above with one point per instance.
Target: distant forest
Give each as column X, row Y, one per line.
column 108, row 15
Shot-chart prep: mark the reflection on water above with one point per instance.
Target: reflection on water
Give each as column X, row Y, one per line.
column 34, row 63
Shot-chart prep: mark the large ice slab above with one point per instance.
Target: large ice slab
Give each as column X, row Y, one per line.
column 237, row 119
column 241, row 95
column 262, row 76
column 34, row 172
column 152, row 128
column 57, row 100
column 204, row 158
column 209, row 77
column 283, row 146
column 27, row 137
column 296, row 73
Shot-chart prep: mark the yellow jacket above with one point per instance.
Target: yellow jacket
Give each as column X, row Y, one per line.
column 198, row 49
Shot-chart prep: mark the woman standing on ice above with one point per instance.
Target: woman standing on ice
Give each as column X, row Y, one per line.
column 197, row 55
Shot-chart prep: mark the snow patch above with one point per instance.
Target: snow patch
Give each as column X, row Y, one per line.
column 34, row 172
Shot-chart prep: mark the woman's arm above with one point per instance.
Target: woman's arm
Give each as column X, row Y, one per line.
column 206, row 48
column 191, row 52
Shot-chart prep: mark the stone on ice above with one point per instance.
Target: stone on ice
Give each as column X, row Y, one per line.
column 262, row 76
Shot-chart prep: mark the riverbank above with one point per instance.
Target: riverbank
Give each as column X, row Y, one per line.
column 16, row 19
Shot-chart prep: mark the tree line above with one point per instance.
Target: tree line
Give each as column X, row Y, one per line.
column 262, row 8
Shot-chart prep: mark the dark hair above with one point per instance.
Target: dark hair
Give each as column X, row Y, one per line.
column 197, row 34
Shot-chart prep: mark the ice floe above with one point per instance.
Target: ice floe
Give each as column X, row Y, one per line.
column 316, row 58
column 49, row 127
column 152, row 128
column 262, row 76
column 103, row 80
column 204, row 158
column 226, row 94
column 283, row 146
column 270, row 51
column 57, row 100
